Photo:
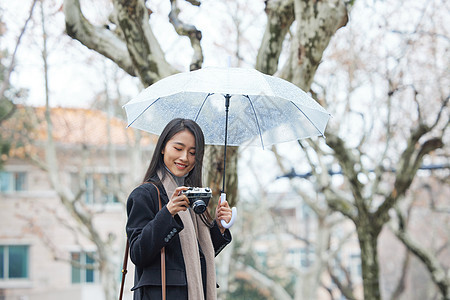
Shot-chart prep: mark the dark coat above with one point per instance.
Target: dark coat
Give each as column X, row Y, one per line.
column 148, row 230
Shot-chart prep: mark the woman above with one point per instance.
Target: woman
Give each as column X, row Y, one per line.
column 191, row 241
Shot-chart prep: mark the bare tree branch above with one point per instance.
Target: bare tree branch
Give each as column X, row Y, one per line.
column 348, row 163
column 401, row 283
column 411, row 159
column 439, row 115
column 313, row 205
column 410, row 162
column 194, row 2
column 145, row 52
column 191, row 32
column 346, row 290
column 437, row 272
column 97, row 38
column 10, row 69
column 280, row 16
column 380, row 168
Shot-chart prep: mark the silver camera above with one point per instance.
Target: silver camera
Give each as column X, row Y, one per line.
column 198, row 198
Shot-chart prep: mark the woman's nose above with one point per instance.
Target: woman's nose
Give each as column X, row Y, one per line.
column 184, row 155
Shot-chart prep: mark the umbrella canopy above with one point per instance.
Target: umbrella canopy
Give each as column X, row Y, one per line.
column 233, row 106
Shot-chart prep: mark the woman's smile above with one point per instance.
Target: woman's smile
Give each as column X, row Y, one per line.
column 180, row 166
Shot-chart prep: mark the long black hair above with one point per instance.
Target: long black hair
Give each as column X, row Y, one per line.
column 194, row 178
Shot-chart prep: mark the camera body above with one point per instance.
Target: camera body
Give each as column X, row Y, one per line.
column 198, row 198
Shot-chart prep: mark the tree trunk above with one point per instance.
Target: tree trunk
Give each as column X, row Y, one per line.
column 367, row 236
column 213, row 166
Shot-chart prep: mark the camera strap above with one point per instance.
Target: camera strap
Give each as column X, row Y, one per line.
column 163, row 261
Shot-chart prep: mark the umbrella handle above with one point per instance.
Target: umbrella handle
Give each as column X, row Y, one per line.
column 223, row 197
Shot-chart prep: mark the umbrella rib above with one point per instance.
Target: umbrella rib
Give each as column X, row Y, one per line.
column 308, row 119
column 203, row 103
column 256, row 118
column 143, row 111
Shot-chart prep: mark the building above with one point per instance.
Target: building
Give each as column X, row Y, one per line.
column 47, row 231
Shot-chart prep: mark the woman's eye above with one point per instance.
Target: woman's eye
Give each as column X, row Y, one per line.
column 178, row 149
column 192, row 153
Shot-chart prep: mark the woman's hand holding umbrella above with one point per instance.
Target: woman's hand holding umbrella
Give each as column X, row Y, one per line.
column 223, row 215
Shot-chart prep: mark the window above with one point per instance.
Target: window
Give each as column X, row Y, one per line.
column 83, row 267
column 12, row 181
column 13, row 262
column 98, row 188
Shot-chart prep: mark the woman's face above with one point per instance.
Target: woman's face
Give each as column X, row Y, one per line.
column 179, row 153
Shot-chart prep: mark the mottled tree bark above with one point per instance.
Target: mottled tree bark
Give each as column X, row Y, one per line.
column 280, row 16
column 143, row 48
column 317, row 22
column 368, row 240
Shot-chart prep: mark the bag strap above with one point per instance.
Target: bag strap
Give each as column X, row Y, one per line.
column 124, row 270
column 163, row 256
column 163, row 261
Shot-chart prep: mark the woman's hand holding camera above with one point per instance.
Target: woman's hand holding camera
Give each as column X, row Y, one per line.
column 178, row 202
column 223, row 212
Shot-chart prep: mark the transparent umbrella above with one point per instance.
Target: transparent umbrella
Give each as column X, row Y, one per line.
column 262, row 109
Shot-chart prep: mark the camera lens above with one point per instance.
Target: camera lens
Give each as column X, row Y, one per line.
column 199, row 206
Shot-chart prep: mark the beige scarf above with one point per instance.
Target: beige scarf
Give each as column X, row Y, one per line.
column 194, row 230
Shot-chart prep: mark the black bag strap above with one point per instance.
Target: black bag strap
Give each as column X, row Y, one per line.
column 163, row 261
